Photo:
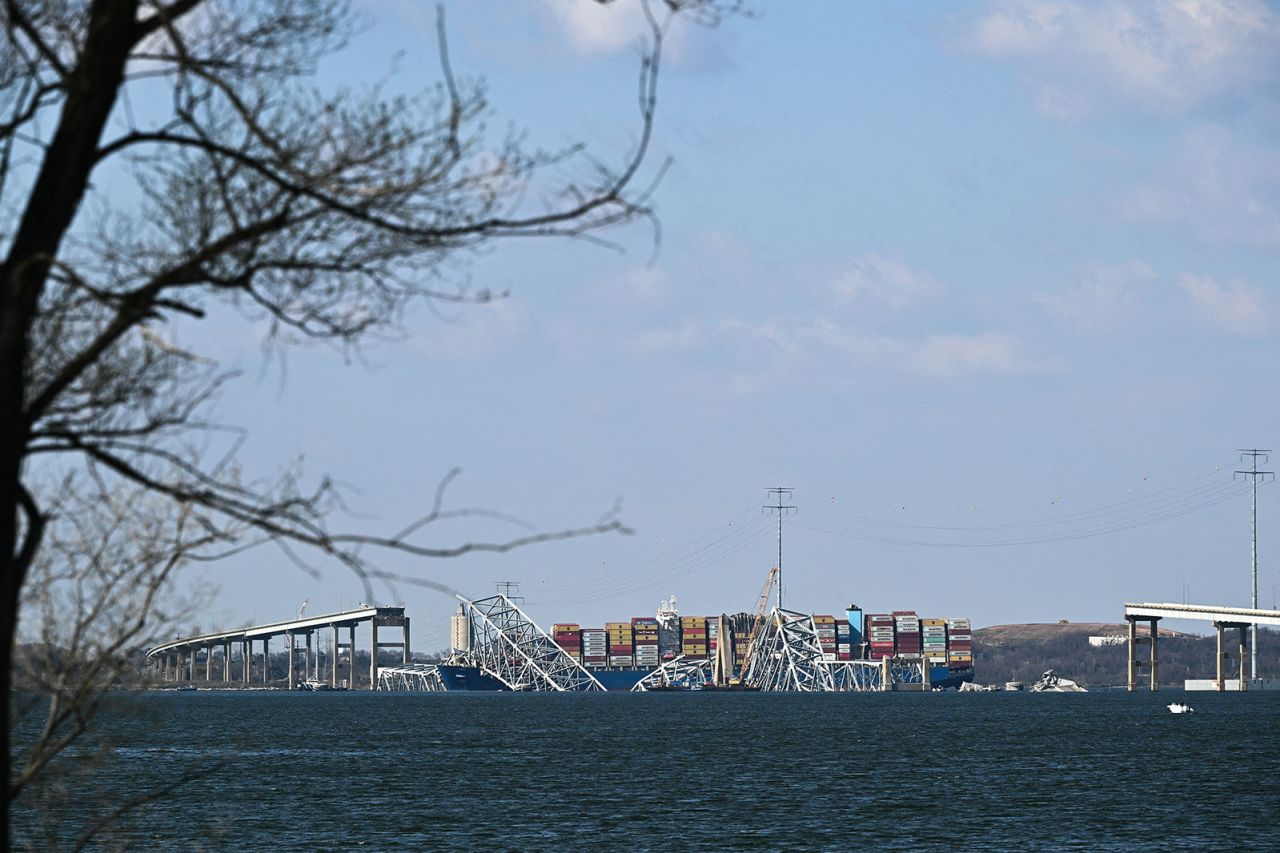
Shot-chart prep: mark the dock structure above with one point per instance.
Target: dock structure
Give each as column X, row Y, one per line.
column 1223, row 618
column 178, row 661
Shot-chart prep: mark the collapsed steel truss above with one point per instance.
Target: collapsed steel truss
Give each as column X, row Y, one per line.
column 508, row 645
column 857, row 676
column 680, row 673
column 788, row 657
column 418, row 677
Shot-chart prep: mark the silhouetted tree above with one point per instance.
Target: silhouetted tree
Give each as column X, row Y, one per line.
column 237, row 183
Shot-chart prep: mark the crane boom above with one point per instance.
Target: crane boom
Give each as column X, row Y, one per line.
column 757, row 624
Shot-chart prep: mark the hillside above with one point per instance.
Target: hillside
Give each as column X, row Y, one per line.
column 1022, row 652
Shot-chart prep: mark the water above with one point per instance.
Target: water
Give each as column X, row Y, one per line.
column 1098, row 771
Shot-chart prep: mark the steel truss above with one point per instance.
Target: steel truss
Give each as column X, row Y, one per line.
column 788, row 657
column 417, row 677
column 856, row 676
column 508, row 645
column 680, row 672
column 904, row 671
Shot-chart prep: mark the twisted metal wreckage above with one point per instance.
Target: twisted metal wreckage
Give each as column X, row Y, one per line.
column 784, row 655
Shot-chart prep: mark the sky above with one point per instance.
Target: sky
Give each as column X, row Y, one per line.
column 989, row 286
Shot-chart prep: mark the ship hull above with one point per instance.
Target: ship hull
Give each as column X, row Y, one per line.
column 466, row 678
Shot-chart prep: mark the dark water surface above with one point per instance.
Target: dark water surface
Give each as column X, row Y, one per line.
column 1098, row 771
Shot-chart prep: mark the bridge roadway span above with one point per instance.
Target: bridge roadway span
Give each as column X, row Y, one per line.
column 1240, row 618
column 177, row 661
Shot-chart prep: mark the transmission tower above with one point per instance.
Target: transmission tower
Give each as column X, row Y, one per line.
column 780, row 493
column 511, row 589
column 1253, row 473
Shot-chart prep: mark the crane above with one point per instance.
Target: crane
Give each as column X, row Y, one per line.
column 757, row 623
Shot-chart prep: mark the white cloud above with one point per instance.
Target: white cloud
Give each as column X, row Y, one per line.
column 957, row 355
column 1169, row 54
column 1237, row 307
column 885, row 280
column 594, row 28
column 1221, row 187
column 1105, row 298
column 598, row 27
column 819, row 342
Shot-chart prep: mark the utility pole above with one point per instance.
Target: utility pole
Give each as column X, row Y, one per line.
column 1254, row 473
column 780, row 493
column 506, row 588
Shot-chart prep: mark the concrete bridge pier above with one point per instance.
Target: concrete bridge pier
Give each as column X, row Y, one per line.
column 1224, row 656
column 289, row 638
column 1153, row 660
column 333, row 677
column 266, row 660
column 351, row 655
column 226, row 662
column 377, row 622
column 246, row 659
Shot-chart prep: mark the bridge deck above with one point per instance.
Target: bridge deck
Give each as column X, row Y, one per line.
column 1205, row 612
column 273, row 629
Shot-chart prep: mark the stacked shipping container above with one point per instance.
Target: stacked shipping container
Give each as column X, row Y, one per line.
column 644, row 631
column 621, row 648
column 693, row 636
column 568, row 636
column 844, row 651
column 880, row 640
column 638, row 643
column 906, row 628
column 934, row 635
column 595, row 651
column 959, row 644
column 826, row 628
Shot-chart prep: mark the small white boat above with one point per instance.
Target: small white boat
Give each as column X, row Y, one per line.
column 1180, row 708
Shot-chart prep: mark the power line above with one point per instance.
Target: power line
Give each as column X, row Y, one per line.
column 781, row 493
column 1084, row 525
column 1254, row 474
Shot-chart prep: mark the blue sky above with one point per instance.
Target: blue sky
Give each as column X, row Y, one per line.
column 989, row 285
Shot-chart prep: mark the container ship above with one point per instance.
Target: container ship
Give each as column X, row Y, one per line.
column 621, row 653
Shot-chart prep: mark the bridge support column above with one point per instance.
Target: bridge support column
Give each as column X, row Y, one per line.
column 290, row 639
column 246, row 660
column 1153, row 658
column 333, row 677
column 373, row 653
column 1220, row 681
column 1133, row 654
column 1244, row 642
column 306, row 658
column 208, row 662
column 266, row 660
column 406, row 639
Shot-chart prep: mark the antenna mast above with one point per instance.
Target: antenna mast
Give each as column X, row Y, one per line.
column 1254, row 473
column 780, row 493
